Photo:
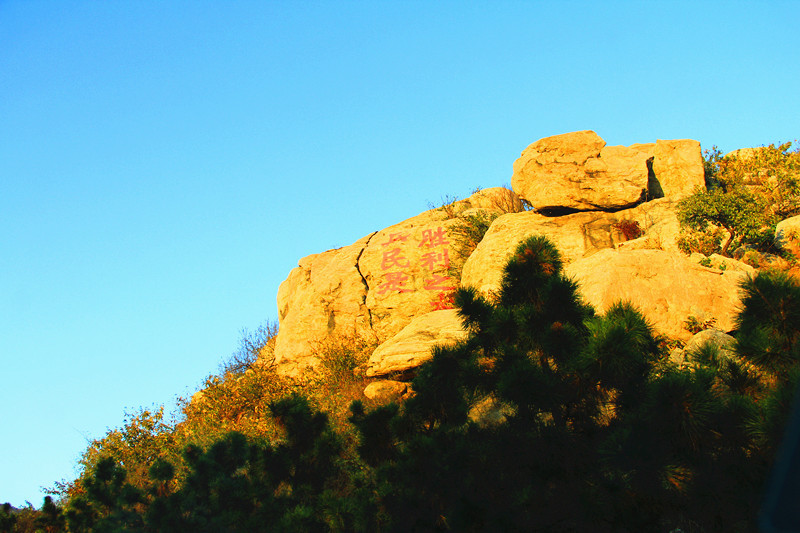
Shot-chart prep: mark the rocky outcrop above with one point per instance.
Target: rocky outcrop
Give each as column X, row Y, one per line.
column 787, row 232
column 714, row 337
column 324, row 296
column 413, row 344
column 386, row 390
column 609, row 209
column 376, row 286
column 678, row 167
column 666, row 287
column 577, row 235
column 577, row 171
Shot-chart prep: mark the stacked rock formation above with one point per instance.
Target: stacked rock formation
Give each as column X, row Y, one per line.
column 609, row 209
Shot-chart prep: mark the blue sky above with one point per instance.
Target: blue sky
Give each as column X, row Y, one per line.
column 163, row 165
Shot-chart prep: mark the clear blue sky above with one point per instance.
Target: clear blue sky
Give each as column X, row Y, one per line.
column 163, row 165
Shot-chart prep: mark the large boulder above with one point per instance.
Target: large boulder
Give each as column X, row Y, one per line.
column 787, row 233
column 678, row 167
column 323, row 296
column 386, row 390
column 577, row 235
column 407, row 269
column 578, row 171
column 722, row 341
column 666, row 287
column 376, row 286
column 412, row 346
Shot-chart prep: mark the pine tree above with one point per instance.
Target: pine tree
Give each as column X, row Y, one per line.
column 592, row 428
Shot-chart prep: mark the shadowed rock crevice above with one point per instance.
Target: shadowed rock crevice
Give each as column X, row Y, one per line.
column 560, row 211
column 364, row 280
column 654, row 189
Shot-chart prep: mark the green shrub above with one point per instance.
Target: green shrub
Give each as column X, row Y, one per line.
column 705, row 242
column 468, row 232
column 748, row 194
column 693, row 324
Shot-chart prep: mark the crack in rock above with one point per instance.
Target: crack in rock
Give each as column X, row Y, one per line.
column 364, row 280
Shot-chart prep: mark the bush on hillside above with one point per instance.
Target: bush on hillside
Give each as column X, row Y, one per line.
column 258, row 345
column 747, row 194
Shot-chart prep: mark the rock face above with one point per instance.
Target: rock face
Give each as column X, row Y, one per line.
column 385, row 391
column 678, row 167
column 578, row 171
column 724, row 342
column 376, row 286
column 413, row 344
column 324, row 295
column 577, row 235
column 666, row 287
column 787, row 231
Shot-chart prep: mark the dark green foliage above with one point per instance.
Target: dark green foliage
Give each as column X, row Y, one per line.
column 237, row 484
column 7, row 518
column 241, row 485
column 769, row 325
column 470, row 229
column 599, row 432
column 711, row 161
column 548, row 417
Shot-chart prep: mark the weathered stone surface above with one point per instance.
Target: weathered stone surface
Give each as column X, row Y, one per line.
column 720, row 262
column 406, row 268
column 787, row 231
column 578, row 171
column 713, row 336
column 678, row 167
column 577, row 235
column 666, row 287
column 385, row 390
column 374, row 287
column 413, row 344
column 323, row 296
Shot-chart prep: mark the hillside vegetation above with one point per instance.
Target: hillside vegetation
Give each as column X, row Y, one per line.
column 549, row 416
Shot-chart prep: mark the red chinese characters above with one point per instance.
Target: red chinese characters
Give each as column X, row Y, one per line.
column 438, row 259
column 394, row 281
column 394, row 258
column 444, row 301
column 433, row 238
column 439, row 283
column 434, row 260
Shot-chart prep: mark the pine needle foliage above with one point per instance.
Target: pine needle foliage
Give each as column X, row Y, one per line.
column 549, row 416
column 600, row 431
